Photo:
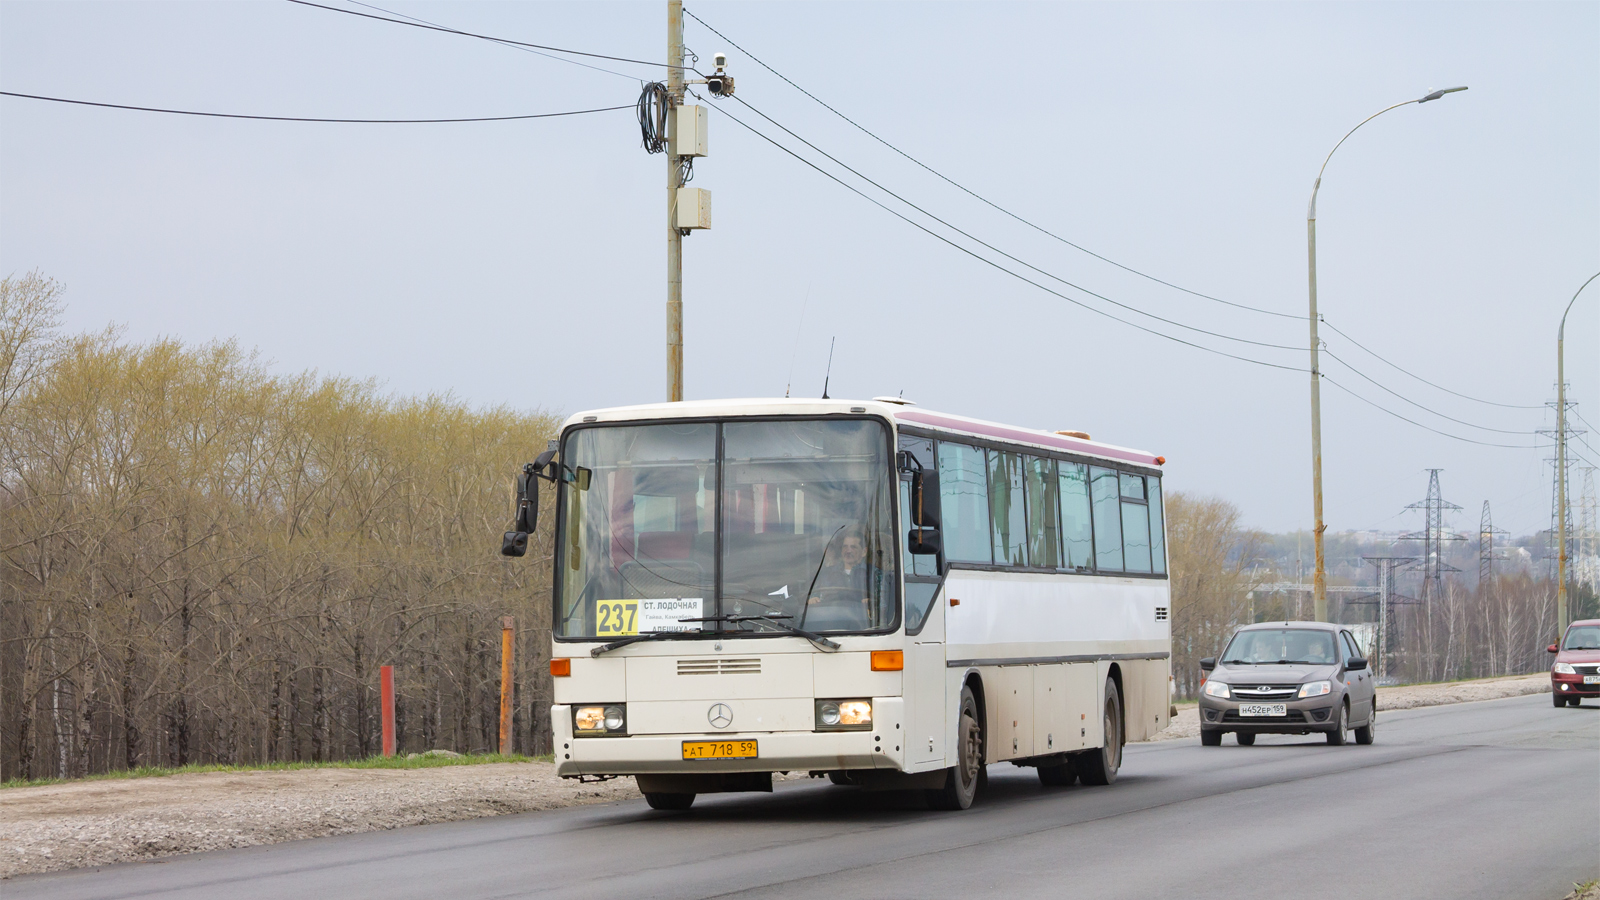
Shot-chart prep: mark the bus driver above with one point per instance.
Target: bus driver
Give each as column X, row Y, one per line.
column 852, row 578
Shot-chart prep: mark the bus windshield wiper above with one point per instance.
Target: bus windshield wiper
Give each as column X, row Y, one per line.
column 772, row 619
column 636, row 638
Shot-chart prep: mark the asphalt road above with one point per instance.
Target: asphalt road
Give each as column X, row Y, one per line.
column 1498, row 799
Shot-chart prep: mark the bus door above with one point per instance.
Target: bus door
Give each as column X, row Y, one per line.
column 924, row 681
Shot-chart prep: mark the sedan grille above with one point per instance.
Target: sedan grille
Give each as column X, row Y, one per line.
column 1265, row 691
column 1587, row 670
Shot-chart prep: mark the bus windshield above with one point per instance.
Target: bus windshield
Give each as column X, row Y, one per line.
column 699, row 520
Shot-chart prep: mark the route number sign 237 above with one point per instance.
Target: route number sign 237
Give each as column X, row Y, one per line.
column 623, row 618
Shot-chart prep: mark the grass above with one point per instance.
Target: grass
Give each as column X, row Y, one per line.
column 371, row 762
column 1584, row 891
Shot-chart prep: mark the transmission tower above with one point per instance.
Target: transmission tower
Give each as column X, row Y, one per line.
column 1389, row 632
column 1586, row 568
column 1433, row 537
column 1487, row 554
column 1559, row 516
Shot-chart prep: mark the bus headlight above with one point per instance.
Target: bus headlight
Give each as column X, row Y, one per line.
column 1217, row 689
column 599, row 720
column 844, row 715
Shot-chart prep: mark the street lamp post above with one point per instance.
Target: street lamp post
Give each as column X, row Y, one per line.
column 1320, row 580
column 1561, row 465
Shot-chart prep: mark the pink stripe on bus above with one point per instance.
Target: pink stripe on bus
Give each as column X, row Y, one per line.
column 1019, row 434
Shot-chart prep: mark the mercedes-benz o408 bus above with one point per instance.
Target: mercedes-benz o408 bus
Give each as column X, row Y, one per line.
column 867, row 590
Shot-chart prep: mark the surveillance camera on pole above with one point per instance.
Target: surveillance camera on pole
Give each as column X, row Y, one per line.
column 719, row 83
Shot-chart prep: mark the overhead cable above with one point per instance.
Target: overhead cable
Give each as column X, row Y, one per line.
column 1426, row 409
column 217, row 115
column 511, row 44
column 1374, row 354
column 979, row 197
column 486, row 37
column 989, row 262
column 1426, row 427
column 975, row 239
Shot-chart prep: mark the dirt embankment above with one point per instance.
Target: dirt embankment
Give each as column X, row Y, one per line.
column 1405, row 696
column 87, row 823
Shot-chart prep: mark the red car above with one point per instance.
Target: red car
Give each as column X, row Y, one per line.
column 1576, row 673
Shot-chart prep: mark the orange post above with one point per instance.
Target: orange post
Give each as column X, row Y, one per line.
column 507, row 624
column 386, row 700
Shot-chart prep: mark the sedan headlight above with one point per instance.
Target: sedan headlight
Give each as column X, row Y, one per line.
column 1217, row 689
column 588, row 721
column 1562, row 668
column 1315, row 688
column 844, row 715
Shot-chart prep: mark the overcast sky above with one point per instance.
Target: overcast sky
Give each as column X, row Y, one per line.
column 523, row 263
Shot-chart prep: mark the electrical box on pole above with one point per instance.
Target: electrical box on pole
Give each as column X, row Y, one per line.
column 694, row 208
column 691, row 134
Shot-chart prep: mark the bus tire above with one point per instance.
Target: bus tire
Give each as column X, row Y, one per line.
column 659, row 800
column 1100, row 766
column 1062, row 775
column 962, row 780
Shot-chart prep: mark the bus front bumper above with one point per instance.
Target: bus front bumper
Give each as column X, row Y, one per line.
column 776, row 751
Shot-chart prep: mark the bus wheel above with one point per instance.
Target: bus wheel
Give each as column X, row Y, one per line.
column 1100, row 766
column 659, row 800
column 961, row 780
column 1058, row 776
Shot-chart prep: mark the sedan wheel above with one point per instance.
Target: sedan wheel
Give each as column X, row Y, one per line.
column 1337, row 736
column 1368, row 732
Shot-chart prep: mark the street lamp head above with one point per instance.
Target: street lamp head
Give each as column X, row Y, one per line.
column 1440, row 93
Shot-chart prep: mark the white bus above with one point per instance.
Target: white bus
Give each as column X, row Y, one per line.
column 890, row 597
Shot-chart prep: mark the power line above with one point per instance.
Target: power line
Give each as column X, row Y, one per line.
column 510, row 44
column 1023, row 278
column 1425, row 381
column 992, row 247
column 1419, row 405
column 864, row 130
column 217, row 115
column 1426, row 427
column 486, row 37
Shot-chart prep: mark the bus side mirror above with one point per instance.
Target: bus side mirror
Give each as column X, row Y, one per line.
column 515, row 542
column 1208, row 663
column 924, row 542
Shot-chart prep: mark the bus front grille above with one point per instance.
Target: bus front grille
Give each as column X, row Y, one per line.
column 744, row 666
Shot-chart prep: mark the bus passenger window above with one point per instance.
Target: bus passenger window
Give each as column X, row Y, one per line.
column 1136, row 537
column 1006, row 509
column 1107, row 518
column 1077, row 542
column 964, row 503
column 1158, row 536
column 1044, row 543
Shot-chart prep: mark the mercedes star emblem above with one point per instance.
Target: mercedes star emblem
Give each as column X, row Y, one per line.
column 720, row 715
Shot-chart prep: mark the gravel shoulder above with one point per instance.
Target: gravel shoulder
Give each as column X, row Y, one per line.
column 1405, row 696
column 89, row 823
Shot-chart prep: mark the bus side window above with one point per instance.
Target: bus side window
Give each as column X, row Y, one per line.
column 1105, row 495
column 964, row 503
column 1158, row 535
column 1135, row 525
column 1044, row 542
column 1006, row 508
column 1076, row 537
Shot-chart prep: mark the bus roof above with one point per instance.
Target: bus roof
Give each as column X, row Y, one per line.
column 898, row 412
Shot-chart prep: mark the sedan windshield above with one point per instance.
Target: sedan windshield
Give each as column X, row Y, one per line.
column 1281, row 645
column 791, row 519
column 1582, row 637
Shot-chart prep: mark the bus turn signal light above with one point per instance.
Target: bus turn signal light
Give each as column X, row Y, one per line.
column 560, row 668
column 888, row 660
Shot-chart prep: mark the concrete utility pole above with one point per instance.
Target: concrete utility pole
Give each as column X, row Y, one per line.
column 1320, row 578
column 674, row 236
column 1561, row 464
